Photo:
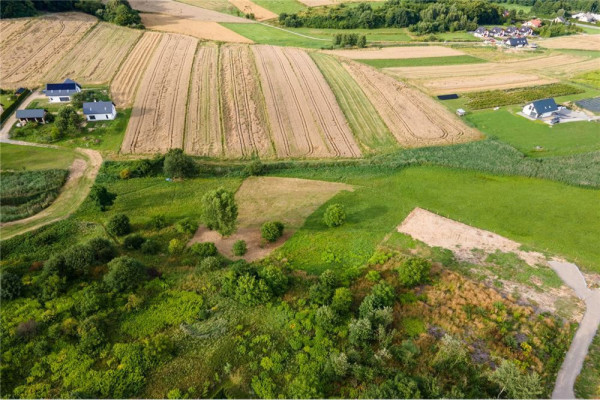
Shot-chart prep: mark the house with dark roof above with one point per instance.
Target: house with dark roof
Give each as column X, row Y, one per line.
column 33, row 115
column 511, row 30
column 61, row 92
column 481, row 32
column 525, row 31
column 516, row 42
column 99, row 110
column 497, row 32
column 540, row 108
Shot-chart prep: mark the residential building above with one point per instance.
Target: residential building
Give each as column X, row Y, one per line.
column 99, row 110
column 61, row 92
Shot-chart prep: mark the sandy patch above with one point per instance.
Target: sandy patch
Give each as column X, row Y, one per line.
column 581, row 42
column 396, row 52
column 248, row 7
column 208, row 30
column 184, row 11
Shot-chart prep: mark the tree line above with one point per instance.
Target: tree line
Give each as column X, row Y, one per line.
column 551, row 7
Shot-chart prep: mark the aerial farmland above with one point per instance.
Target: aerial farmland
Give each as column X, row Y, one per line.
column 300, row 199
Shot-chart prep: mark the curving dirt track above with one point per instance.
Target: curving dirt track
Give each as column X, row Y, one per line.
column 156, row 123
column 96, row 57
column 245, row 123
column 203, row 122
column 126, row 82
column 396, row 52
column 29, row 50
column 304, row 121
column 414, row 119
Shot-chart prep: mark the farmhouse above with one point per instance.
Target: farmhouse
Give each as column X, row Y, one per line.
column 61, row 92
column 534, row 23
column 99, row 110
column 559, row 20
column 540, row 108
column 525, row 31
column 497, row 32
column 481, row 32
column 516, row 42
column 34, row 115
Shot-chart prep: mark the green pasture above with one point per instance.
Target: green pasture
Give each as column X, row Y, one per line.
column 14, row 157
column 281, row 6
column 422, row 62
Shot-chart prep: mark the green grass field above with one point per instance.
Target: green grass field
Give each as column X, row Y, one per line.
column 517, row 7
column 525, row 135
column 281, row 6
column 369, row 130
column 587, row 385
column 7, row 99
column 591, row 78
column 423, row 62
column 544, row 215
column 14, row 157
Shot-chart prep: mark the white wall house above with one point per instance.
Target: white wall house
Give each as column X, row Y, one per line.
column 540, row 108
column 61, row 92
column 99, row 111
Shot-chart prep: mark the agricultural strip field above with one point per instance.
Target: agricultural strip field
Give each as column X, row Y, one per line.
column 281, row 6
column 413, row 118
column 249, row 7
column 126, row 82
column 266, row 34
column 396, row 52
column 203, row 121
column 422, row 62
column 96, row 58
column 183, row 11
column 305, row 118
column 156, row 123
column 29, row 50
column 369, row 129
column 582, row 42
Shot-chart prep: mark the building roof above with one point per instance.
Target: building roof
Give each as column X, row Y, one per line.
column 33, row 113
column 68, row 87
column 545, row 106
column 518, row 42
column 536, row 22
column 481, row 29
column 497, row 29
column 19, row 90
column 97, row 107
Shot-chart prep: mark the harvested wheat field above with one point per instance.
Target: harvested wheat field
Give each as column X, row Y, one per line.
column 29, row 50
column 248, row 7
column 126, row 82
column 306, row 120
column 156, row 123
column 207, row 30
column 96, row 58
column 396, row 52
column 413, row 118
column 245, row 122
column 581, row 42
column 483, row 82
column 203, row 118
column 181, row 10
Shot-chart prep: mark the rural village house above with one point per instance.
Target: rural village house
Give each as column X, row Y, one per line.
column 534, row 23
column 586, row 17
column 497, row 32
column 61, row 92
column 481, row 32
column 516, row 42
column 559, row 20
column 525, row 31
column 511, row 30
column 34, row 115
column 540, row 108
column 99, row 110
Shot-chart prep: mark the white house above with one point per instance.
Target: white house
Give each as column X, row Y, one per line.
column 540, row 108
column 61, row 92
column 99, row 110
column 481, row 32
column 516, row 42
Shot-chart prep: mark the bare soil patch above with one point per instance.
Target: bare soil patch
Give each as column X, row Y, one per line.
column 32, row 47
column 156, row 123
column 184, row 11
column 96, row 58
column 126, row 82
column 397, row 52
column 305, row 118
column 414, row 119
column 208, row 30
column 203, row 122
column 581, row 42
column 248, row 7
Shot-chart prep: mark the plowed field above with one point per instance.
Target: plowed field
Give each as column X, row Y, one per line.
column 125, row 83
column 305, row 118
column 157, row 122
column 30, row 47
column 96, row 58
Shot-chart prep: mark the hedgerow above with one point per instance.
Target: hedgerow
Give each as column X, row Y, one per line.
column 497, row 98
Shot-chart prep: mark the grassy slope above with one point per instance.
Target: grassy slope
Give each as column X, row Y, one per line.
column 32, row 158
column 423, row 62
column 588, row 382
column 281, row 6
column 368, row 128
column 541, row 214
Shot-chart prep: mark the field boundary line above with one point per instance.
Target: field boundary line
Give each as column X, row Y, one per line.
column 124, row 60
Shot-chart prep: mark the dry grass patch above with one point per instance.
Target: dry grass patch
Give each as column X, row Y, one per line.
column 580, row 42
column 184, row 11
column 248, row 7
column 387, row 53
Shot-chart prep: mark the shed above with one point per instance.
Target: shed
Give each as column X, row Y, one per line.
column 33, row 115
column 99, row 110
column 19, row 91
column 540, row 108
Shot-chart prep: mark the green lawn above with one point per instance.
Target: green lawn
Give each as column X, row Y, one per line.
column 281, row 6
column 14, row 157
column 7, row 99
column 587, row 385
column 525, row 135
column 543, row 215
column 422, row 62
column 373, row 35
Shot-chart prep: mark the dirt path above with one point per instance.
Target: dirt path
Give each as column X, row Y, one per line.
column 4, row 131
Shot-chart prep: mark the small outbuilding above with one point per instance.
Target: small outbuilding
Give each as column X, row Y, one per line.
column 540, row 108
column 460, row 112
column 19, row 91
column 33, row 115
column 99, row 110
column 61, row 92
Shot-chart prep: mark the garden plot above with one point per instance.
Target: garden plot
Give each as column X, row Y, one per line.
column 413, row 118
column 305, row 118
column 246, row 130
column 125, row 83
column 157, row 123
column 580, row 42
column 96, row 58
column 29, row 50
column 203, row 121
column 388, row 53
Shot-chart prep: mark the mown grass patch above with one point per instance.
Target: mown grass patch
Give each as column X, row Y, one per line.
column 497, row 98
column 262, row 34
column 422, row 62
column 15, row 157
column 281, row 6
column 587, row 385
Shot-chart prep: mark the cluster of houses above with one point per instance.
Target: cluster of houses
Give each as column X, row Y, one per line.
column 63, row 93
column 588, row 17
column 509, row 36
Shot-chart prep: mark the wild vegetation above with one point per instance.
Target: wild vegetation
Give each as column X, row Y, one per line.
column 497, row 98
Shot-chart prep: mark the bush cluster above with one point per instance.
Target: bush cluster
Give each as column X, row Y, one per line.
column 271, row 231
column 119, row 225
column 251, row 285
column 335, row 215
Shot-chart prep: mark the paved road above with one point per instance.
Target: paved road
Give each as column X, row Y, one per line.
column 573, row 362
column 13, row 118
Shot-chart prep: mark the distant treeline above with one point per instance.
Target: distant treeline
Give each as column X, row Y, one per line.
column 116, row 11
column 419, row 16
column 552, row 7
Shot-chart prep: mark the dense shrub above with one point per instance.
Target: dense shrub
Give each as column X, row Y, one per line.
column 341, row 301
column 335, row 215
column 326, row 318
column 176, row 246
column 255, row 168
column 119, row 225
column 239, row 248
column 79, row 258
column 250, row 285
column 158, row 222
column 178, row 165
column 89, row 301
column 187, row 226
column 220, row 211
column 414, row 271
column 150, row 246
column 210, row 263
column 516, row 383
column 10, row 286
column 205, row 249
column 124, row 273
column 271, row 231
column 322, row 292
column 360, row 331
column 134, row 242
column 104, row 251
column 275, row 278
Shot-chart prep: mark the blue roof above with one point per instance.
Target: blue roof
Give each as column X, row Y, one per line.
column 545, row 106
column 66, row 88
column 97, row 107
column 33, row 113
